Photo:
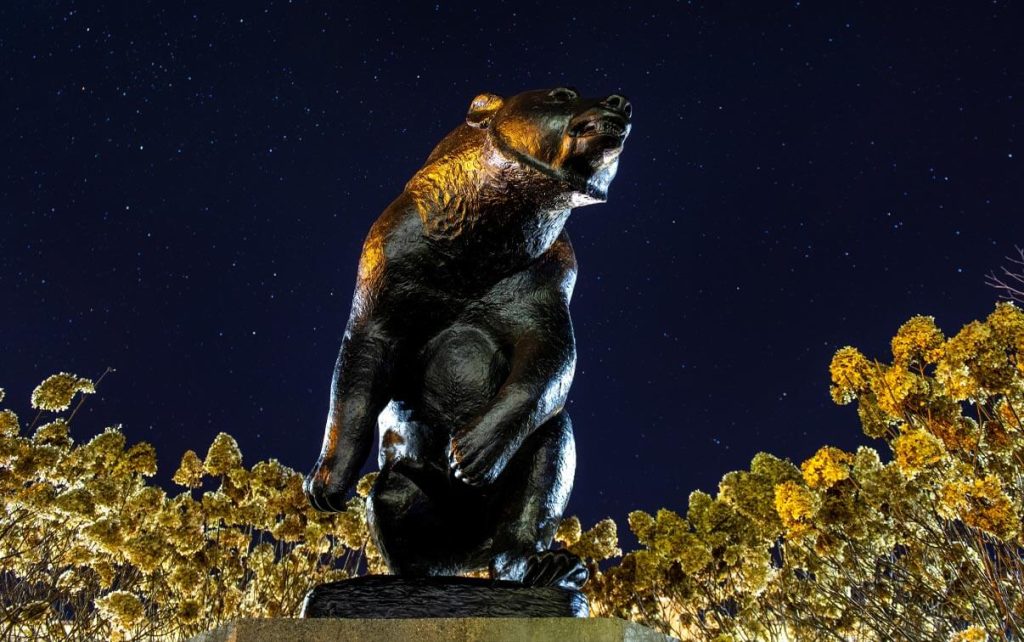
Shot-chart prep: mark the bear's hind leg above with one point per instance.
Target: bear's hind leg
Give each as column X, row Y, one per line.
column 414, row 518
column 539, row 479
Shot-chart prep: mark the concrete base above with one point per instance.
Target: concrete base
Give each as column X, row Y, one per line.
column 551, row 629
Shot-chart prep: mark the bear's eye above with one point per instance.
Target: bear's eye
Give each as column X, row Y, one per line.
column 563, row 94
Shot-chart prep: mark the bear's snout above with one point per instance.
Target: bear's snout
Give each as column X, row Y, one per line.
column 618, row 104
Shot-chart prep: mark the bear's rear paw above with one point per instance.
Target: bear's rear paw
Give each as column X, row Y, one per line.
column 555, row 568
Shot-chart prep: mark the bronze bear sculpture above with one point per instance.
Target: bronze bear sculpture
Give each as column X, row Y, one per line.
column 460, row 346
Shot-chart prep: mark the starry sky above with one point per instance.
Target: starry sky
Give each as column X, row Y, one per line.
column 185, row 188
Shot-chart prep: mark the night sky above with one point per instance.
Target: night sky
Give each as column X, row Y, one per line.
column 185, row 188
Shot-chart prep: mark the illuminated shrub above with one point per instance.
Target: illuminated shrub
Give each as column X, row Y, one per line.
column 925, row 546
column 90, row 551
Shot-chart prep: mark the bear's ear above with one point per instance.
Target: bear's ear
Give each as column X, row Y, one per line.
column 482, row 109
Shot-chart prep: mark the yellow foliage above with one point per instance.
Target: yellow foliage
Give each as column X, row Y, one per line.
column 599, row 543
column 54, row 433
column 56, row 391
column 223, row 457
column 8, row 423
column 569, row 531
column 121, row 609
column 850, row 374
column 849, row 546
column 970, row 634
column 190, row 472
column 843, row 546
column 83, row 529
column 365, row 484
column 796, row 506
column 917, row 340
column 981, row 503
column 827, row 467
column 916, row 451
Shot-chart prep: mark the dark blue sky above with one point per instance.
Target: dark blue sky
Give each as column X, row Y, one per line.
column 185, row 187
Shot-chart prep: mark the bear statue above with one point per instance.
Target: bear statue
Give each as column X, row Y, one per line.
column 460, row 350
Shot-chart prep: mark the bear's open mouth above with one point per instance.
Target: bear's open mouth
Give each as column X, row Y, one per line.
column 600, row 125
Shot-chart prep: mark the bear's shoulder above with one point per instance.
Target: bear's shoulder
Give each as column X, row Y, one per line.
column 395, row 240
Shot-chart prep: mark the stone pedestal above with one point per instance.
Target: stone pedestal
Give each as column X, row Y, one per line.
column 392, row 597
column 549, row 629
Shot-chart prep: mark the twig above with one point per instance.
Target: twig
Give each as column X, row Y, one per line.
column 1010, row 284
column 81, row 400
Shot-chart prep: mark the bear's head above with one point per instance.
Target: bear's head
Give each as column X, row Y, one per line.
column 516, row 167
column 557, row 132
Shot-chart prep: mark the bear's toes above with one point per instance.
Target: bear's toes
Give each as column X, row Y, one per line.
column 555, row 568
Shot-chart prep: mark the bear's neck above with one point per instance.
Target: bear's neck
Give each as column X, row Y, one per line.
column 478, row 205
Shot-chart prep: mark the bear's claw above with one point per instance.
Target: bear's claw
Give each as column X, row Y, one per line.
column 555, row 568
column 320, row 495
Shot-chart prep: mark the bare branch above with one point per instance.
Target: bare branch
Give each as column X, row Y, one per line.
column 1010, row 282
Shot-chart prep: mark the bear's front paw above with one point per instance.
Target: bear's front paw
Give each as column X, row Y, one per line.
column 325, row 490
column 476, row 458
